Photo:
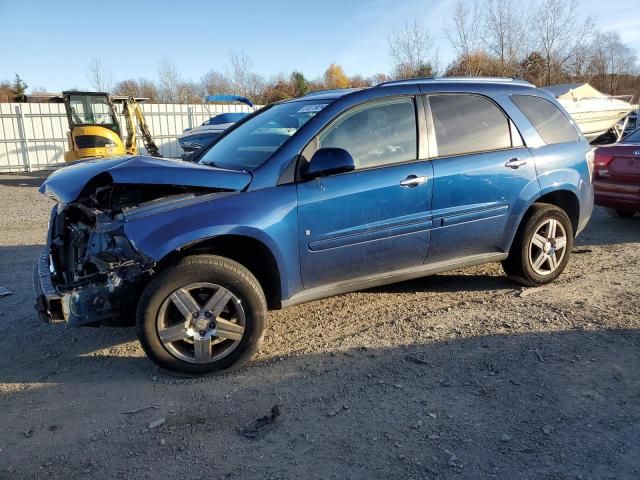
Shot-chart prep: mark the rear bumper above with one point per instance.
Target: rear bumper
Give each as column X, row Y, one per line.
column 616, row 194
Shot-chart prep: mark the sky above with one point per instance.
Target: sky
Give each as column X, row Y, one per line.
column 51, row 43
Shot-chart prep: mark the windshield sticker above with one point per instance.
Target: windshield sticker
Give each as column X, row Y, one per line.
column 312, row 108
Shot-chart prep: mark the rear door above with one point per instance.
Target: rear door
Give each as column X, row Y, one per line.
column 375, row 219
column 481, row 168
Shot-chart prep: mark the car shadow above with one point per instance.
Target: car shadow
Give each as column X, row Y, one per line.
column 500, row 402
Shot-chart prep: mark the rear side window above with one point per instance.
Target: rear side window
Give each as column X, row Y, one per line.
column 468, row 124
column 550, row 123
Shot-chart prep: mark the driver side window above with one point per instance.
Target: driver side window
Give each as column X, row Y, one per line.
column 376, row 134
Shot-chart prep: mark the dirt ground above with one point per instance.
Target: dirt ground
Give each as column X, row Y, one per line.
column 460, row 375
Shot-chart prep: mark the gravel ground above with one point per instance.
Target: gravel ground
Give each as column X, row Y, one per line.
column 460, row 375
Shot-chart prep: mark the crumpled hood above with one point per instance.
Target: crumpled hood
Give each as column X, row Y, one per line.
column 66, row 184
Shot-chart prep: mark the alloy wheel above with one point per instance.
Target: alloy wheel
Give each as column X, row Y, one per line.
column 201, row 322
column 547, row 247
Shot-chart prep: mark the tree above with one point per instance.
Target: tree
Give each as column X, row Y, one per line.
column 168, row 82
column 6, row 92
column 215, row 83
column 19, row 89
column 533, row 69
column 148, row 90
column 611, row 61
column 129, row 88
column 504, row 33
column 411, row 50
column 479, row 62
column 99, row 77
column 300, row 83
column 358, row 81
column 243, row 80
column 379, row 78
column 334, row 77
column 558, row 31
column 463, row 35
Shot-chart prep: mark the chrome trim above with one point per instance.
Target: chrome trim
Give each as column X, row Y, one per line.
column 515, row 163
column 413, row 181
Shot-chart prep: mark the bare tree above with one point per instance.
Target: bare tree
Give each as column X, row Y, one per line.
column 411, row 50
column 611, row 60
column 148, row 90
column 100, row 78
column 168, row 82
column 215, row 83
column 558, row 31
column 244, row 81
column 504, row 32
column 462, row 32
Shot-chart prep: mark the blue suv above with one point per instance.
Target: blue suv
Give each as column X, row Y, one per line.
column 329, row 193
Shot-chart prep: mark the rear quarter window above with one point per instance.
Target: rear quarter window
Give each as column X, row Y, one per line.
column 550, row 123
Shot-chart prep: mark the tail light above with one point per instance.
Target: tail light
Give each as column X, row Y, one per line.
column 601, row 163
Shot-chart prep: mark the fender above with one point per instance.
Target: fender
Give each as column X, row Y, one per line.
column 268, row 216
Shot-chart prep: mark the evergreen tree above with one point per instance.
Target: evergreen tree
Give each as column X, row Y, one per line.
column 19, row 89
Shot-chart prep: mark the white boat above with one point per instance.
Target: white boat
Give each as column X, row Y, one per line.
column 594, row 112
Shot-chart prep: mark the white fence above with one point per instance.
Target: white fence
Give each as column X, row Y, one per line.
column 33, row 136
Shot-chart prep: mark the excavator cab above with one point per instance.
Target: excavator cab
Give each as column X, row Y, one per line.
column 94, row 130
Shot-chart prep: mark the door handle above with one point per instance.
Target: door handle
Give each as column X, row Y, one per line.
column 413, row 181
column 515, row 163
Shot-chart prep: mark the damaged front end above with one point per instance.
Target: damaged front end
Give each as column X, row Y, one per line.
column 90, row 273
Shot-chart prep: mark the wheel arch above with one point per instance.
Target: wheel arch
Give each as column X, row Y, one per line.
column 566, row 200
column 249, row 252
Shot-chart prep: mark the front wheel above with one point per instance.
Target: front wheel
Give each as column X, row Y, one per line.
column 541, row 248
column 202, row 315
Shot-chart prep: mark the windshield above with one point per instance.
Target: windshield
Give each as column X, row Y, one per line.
column 90, row 110
column 254, row 141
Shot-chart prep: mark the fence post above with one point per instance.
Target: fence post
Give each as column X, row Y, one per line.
column 190, row 116
column 24, row 137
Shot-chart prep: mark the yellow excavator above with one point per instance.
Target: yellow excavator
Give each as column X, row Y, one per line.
column 94, row 130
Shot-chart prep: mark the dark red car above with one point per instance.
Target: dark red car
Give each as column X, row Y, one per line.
column 616, row 176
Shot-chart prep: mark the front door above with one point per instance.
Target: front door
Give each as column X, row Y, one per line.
column 375, row 219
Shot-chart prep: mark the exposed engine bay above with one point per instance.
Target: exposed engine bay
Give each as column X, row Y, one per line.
column 94, row 268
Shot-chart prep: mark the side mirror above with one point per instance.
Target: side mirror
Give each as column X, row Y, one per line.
column 328, row 161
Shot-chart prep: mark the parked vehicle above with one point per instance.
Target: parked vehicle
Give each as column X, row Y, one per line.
column 312, row 197
column 194, row 139
column 616, row 178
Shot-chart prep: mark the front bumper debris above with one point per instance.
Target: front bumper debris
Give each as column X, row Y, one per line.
column 48, row 299
column 90, row 304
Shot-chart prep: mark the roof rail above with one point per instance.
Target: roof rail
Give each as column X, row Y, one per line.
column 330, row 91
column 513, row 81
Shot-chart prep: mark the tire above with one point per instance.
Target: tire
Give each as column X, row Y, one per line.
column 521, row 266
column 615, row 213
column 228, row 327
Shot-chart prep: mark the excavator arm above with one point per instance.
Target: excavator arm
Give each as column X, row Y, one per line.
column 133, row 114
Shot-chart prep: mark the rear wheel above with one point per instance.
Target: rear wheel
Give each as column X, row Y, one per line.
column 541, row 248
column 205, row 314
column 614, row 212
